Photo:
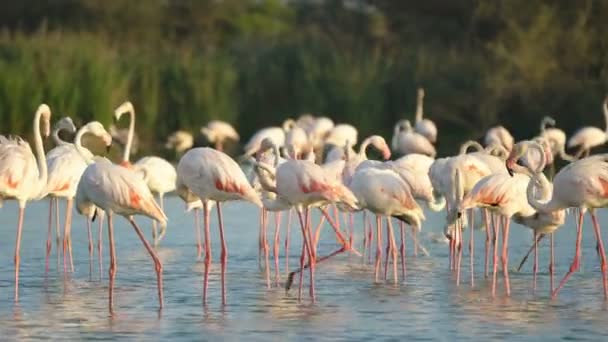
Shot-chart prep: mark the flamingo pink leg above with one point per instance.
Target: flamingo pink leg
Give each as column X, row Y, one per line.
column 577, row 255
column 486, row 217
column 68, row 231
column 458, row 249
column 302, row 260
column 402, row 248
column 388, row 252
column 378, row 247
column 57, row 231
column 312, row 248
column 307, row 247
column 287, row 233
column 351, row 220
column 370, row 239
column 90, row 248
column 472, row 246
column 100, row 246
column 505, row 254
column 197, row 229
column 158, row 266
column 206, row 223
column 275, row 248
column 496, row 227
column 393, row 245
column 66, row 237
column 113, row 266
column 17, row 251
column 266, row 248
column 535, row 270
column 551, row 264
column 49, row 243
column 601, row 250
column 224, row 252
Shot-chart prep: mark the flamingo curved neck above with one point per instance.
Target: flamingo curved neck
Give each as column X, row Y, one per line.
column 57, row 139
column 363, row 149
column 471, row 143
column 419, row 109
column 127, row 151
column 40, row 156
column 78, row 143
column 545, row 190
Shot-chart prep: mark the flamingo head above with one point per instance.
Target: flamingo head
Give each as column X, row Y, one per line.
column 208, row 134
column 66, row 124
column 126, row 107
column 514, row 157
column 97, row 129
column 45, row 115
column 380, row 144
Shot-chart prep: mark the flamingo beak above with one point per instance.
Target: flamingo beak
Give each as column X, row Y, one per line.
column 386, row 154
column 510, row 163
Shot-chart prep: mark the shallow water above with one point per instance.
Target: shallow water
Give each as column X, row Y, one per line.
column 428, row 306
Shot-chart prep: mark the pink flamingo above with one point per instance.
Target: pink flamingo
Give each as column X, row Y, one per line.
column 506, row 196
column 66, row 124
column 589, row 137
column 302, row 183
column 556, row 138
column 213, row 176
column 66, row 163
column 385, row 193
column 117, row 190
column 500, row 136
column 160, row 176
column 23, row 176
column 582, row 184
column 425, row 127
column 217, row 132
column 340, row 134
column 406, row 140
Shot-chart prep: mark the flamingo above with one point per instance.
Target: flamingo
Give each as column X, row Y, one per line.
column 500, row 136
column 406, row 141
column 589, row 137
column 276, row 134
column 268, row 180
column 213, row 176
column 354, row 160
column 65, row 164
column 297, row 139
column 66, row 124
column 556, row 138
column 180, row 142
column 23, row 176
column 385, row 193
column 160, row 176
column 507, row 196
column 341, row 134
column 581, row 184
column 118, row 190
column 192, row 202
column 126, row 108
column 217, row 132
column 124, row 137
column 319, row 131
column 425, row 127
column 302, row 184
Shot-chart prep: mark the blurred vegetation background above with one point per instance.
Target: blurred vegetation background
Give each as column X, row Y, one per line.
column 254, row 63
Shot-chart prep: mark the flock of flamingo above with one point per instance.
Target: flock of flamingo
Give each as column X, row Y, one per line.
column 310, row 164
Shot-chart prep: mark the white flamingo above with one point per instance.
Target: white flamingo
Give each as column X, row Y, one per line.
column 23, row 176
